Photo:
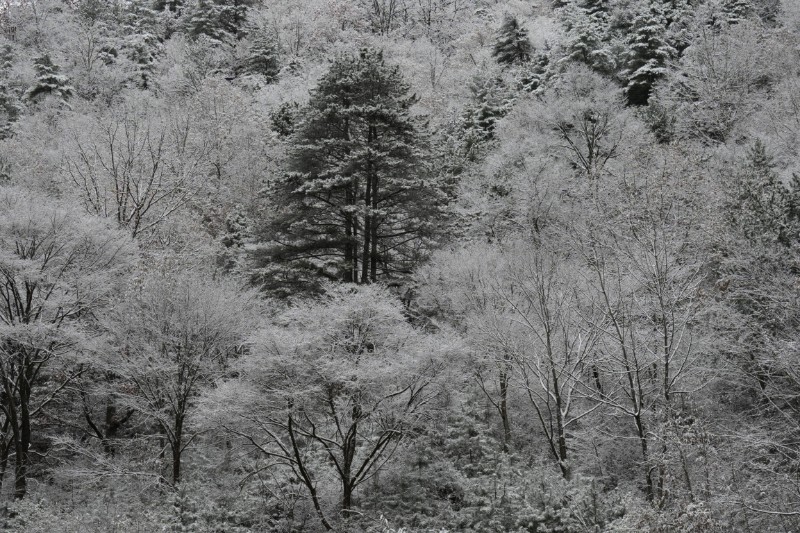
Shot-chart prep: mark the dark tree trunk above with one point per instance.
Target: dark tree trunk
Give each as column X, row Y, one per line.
column 5, row 449
column 504, row 417
column 373, row 256
column 305, row 476
column 23, row 440
column 365, row 262
column 561, row 436
column 348, row 455
column 348, row 247
column 369, row 200
column 176, row 444
column 648, row 472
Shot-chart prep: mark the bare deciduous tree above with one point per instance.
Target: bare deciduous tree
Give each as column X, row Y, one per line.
column 135, row 165
column 56, row 270
column 345, row 380
column 172, row 335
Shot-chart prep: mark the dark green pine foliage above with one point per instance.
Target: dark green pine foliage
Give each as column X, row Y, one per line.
column 218, row 20
column 588, row 34
column 596, row 7
column 141, row 44
column 9, row 103
column 647, row 53
column 48, row 81
column 233, row 15
column 491, row 101
column 679, row 17
column 262, row 56
column 736, row 11
column 283, row 119
column 237, row 234
column 512, row 45
column 531, row 76
column 204, row 19
column 173, row 6
column 762, row 207
column 358, row 204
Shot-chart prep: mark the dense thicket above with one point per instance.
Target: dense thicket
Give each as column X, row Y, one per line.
column 395, row 265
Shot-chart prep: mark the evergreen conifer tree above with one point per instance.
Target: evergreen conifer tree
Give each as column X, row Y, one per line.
column 262, row 56
column 512, row 45
column 203, row 19
column 218, row 20
column 9, row 104
column 736, row 11
column 141, row 45
column 678, row 15
column 762, row 206
column 533, row 74
column 647, row 53
column 358, row 204
column 588, row 35
column 491, row 101
column 48, row 81
column 596, row 7
column 232, row 16
column 283, row 119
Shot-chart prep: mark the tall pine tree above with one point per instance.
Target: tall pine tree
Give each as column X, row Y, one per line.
column 48, row 81
column 760, row 205
column 261, row 55
column 9, row 105
column 736, row 11
column 647, row 52
column 512, row 45
column 588, row 34
column 218, row 20
column 359, row 203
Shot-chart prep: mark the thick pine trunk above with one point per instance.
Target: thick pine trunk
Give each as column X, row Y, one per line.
column 369, row 199
column 348, row 249
column 373, row 256
column 365, row 253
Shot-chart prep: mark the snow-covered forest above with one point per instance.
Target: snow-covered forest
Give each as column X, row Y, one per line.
column 400, row 266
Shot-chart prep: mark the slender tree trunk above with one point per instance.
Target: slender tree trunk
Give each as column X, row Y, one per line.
column 348, row 233
column 368, row 217
column 176, row 450
column 161, row 455
column 176, row 464
column 16, row 440
column 348, row 248
column 306, row 477
column 351, row 225
column 373, row 256
column 111, row 427
column 563, row 458
column 20, row 469
column 648, row 471
column 23, row 442
column 5, row 449
column 374, row 227
column 367, row 233
column 354, row 249
column 504, row 417
column 348, row 455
